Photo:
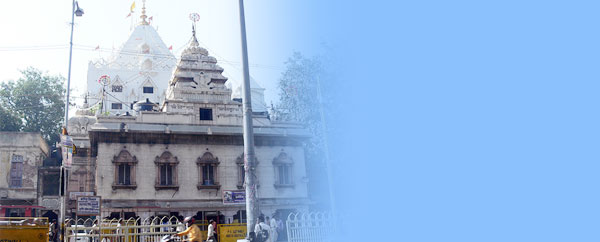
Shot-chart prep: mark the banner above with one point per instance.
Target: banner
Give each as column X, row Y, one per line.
column 231, row 232
column 234, row 197
column 24, row 233
column 66, row 143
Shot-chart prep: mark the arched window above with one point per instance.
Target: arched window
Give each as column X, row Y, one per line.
column 116, row 85
column 166, row 171
column 16, row 171
column 148, row 86
column 207, row 168
column 125, row 165
column 147, row 64
column 283, row 165
column 240, row 171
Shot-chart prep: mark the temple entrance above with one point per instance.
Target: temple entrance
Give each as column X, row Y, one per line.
column 52, row 216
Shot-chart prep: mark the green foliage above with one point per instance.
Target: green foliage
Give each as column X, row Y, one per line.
column 301, row 85
column 298, row 98
column 8, row 121
column 37, row 99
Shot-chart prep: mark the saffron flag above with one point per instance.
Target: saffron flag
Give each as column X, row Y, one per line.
column 97, row 47
column 171, row 47
column 132, row 7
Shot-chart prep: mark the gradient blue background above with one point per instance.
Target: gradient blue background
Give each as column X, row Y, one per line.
column 465, row 120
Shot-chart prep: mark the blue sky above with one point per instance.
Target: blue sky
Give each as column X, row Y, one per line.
column 467, row 120
column 458, row 120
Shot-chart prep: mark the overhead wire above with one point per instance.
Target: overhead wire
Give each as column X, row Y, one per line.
column 33, row 47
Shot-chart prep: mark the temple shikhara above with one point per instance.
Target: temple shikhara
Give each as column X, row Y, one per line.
column 139, row 71
column 162, row 136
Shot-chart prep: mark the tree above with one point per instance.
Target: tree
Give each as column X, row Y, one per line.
column 37, row 99
column 298, row 94
column 300, row 87
column 8, row 121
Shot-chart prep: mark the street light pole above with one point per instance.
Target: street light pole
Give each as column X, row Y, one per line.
column 69, row 73
column 249, row 156
column 75, row 10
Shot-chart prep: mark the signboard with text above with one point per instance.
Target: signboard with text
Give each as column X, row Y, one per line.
column 88, row 205
column 231, row 232
column 74, row 195
column 234, row 197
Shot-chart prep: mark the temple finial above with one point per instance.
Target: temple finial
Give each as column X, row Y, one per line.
column 194, row 17
column 194, row 41
column 143, row 16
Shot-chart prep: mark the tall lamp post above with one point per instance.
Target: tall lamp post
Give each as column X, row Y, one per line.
column 76, row 11
column 249, row 156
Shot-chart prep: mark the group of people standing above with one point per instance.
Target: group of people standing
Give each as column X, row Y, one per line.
column 265, row 230
column 273, row 226
column 194, row 234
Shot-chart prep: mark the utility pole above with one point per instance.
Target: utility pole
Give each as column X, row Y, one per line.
column 62, row 167
column 79, row 12
column 249, row 156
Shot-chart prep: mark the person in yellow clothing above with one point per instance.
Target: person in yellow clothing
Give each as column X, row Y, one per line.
column 193, row 232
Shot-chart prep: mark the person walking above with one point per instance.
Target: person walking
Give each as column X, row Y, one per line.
column 212, row 235
column 274, row 227
column 53, row 234
column 262, row 230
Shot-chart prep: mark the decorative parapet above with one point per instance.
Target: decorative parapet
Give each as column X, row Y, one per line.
column 102, row 64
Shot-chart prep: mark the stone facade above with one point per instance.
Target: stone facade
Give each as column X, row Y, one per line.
column 83, row 169
column 21, row 155
column 181, row 158
column 179, row 161
column 189, row 195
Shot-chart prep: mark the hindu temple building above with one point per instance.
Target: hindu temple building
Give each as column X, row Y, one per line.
column 184, row 156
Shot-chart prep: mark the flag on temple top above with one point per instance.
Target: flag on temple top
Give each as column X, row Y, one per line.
column 97, row 47
column 150, row 18
column 128, row 15
column 171, row 47
column 132, row 7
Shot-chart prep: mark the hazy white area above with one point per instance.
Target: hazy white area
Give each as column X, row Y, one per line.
column 36, row 33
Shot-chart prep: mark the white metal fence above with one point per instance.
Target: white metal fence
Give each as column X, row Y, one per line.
column 119, row 230
column 309, row 227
